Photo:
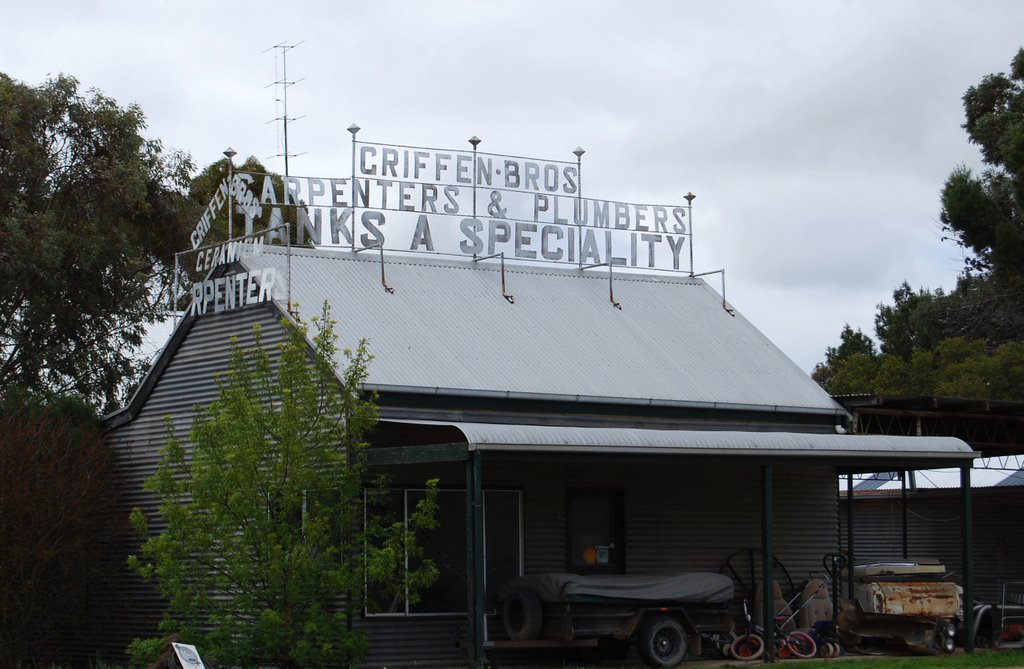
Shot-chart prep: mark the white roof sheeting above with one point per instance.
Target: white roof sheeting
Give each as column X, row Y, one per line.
column 448, row 328
column 590, row 440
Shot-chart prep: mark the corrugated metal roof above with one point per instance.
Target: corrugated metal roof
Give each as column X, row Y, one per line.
column 1014, row 479
column 876, row 481
column 447, row 327
column 545, row 438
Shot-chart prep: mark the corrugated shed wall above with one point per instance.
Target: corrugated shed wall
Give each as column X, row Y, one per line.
column 934, row 531
column 415, row 642
column 686, row 516
column 135, row 609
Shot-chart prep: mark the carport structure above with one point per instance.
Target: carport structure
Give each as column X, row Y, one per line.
column 773, row 455
column 995, row 430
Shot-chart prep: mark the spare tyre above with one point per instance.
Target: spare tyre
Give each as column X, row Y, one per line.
column 522, row 615
column 661, row 642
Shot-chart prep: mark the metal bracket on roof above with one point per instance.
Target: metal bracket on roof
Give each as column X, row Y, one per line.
column 383, row 279
column 611, row 289
column 725, row 305
column 504, row 293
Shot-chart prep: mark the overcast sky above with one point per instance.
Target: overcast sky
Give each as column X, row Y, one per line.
column 816, row 134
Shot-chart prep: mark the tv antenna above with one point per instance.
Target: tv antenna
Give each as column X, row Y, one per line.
column 285, row 83
column 282, row 49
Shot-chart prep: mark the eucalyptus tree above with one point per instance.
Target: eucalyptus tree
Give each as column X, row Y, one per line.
column 91, row 212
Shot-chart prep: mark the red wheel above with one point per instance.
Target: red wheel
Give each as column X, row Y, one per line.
column 801, row 644
column 747, row 647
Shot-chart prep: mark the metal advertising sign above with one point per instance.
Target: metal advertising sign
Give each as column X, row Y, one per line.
column 236, row 290
column 422, row 200
column 471, row 203
column 237, row 190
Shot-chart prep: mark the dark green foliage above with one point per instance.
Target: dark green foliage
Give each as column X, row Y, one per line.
column 203, row 186
column 851, row 344
column 956, row 367
column 909, row 324
column 984, row 213
column 923, row 350
column 56, row 526
column 966, row 342
column 265, row 530
column 90, row 212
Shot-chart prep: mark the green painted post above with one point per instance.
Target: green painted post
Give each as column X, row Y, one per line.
column 967, row 549
column 475, row 560
column 767, row 562
column 849, row 537
column 903, row 500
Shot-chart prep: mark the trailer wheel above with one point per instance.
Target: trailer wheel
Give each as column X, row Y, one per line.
column 522, row 615
column 662, row 642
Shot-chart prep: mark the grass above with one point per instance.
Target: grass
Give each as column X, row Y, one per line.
column 979, row 660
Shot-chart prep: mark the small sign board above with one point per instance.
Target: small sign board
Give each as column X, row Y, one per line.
column 188, row 656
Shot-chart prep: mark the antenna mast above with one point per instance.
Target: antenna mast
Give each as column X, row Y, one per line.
column 285, row 84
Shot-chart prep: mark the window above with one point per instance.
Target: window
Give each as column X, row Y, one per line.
column 446, row 546
column 594, row 521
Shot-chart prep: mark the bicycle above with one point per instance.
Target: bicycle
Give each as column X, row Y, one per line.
column 750, row 646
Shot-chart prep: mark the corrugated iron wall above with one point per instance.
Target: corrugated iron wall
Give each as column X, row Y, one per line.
column 934, row 531
column 686, row 516
column 135, row 609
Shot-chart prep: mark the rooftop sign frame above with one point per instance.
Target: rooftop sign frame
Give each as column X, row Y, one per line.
column 419, row 200
column 468, row 203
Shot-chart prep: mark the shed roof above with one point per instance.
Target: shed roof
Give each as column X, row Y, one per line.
column 849, row 452
column 447, row 328
column 492, row 437
column 1013, row 479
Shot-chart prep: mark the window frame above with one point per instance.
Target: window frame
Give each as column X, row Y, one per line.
column 615, row 497
column 520, row 536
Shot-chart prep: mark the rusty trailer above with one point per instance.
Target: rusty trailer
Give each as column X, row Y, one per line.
column 910, row 604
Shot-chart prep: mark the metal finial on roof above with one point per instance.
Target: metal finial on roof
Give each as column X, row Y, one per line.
column 354, row 129
column 689, row 197
column 474, row 140
column 578, row 151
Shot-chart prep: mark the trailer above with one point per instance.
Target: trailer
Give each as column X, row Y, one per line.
column 910, row 604
column 667, row 616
